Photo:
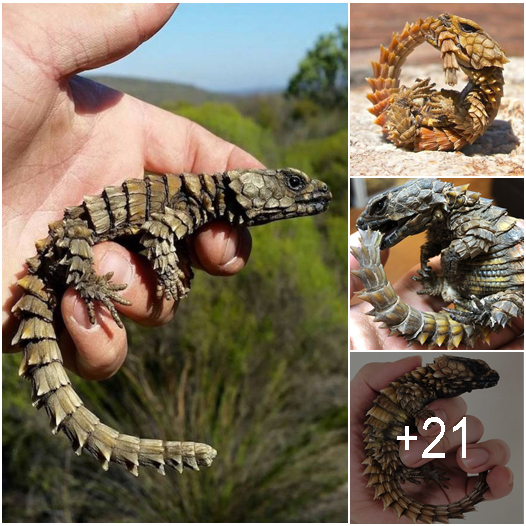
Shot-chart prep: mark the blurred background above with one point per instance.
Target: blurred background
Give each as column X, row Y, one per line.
column 255, row 365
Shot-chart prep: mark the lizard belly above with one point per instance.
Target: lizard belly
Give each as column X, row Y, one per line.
column 489, row 274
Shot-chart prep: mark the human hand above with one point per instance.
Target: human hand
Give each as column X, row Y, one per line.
column 481, row 456
column 366, row 334
column 65, row 137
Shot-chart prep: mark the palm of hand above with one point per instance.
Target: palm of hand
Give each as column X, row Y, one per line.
column 65, row 137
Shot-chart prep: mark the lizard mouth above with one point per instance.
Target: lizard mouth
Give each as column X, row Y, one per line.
column 393, row 231
column 489, row 381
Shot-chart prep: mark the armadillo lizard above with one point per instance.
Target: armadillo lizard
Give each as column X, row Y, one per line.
column 482, row 257
column 161, row 211
column 421, row 118
column 403, row 404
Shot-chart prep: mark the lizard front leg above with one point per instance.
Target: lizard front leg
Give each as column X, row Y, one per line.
column 432, row 283
column 168, row 255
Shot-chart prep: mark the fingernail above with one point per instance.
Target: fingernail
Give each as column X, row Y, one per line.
column 476, row 458
column 231, row 248
column 510, row 482
column 114, row 261
column 434, row 429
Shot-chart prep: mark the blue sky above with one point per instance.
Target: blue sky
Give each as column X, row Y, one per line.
column 231, row 47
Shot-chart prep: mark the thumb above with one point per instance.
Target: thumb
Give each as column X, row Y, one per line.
column 87, row 36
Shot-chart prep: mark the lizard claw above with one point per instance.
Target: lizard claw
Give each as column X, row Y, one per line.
column 97, row 288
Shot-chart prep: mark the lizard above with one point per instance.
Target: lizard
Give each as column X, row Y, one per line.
column 422, row 118
column 482, row 260
column 402, row 404
column 159, row 212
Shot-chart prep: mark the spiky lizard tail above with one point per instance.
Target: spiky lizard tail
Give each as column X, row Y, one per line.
column 51, row 389
column 386, row 79
column 393, row 496
column 399, row 317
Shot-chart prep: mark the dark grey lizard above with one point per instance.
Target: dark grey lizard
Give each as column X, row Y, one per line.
column 161, row 211
column 482, row 258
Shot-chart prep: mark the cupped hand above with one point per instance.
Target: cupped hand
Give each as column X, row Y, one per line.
column 366, row 334
column 65, row 137
column 480, row 456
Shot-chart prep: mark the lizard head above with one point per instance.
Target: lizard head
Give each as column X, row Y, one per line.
column 463, row 41
column 270, row 195
column 455, row 375
column 406, row 210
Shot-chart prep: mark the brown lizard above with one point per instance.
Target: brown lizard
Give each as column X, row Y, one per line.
column 159, row 211
column 402, row 404
column 482, row 259
column 421, row 118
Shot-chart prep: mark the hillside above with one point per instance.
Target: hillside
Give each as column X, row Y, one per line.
column 156, row 92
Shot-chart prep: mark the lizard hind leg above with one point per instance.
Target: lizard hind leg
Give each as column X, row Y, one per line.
column 403, row 115
column 73, row 243
column 425, row 473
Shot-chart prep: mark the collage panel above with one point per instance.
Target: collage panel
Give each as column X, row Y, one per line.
column 436, row 79
column 393, row 394
column 151, row 151
column 436, row 259
column 453, row 275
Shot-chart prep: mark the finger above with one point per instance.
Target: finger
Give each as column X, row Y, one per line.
column 373, row 377
column 87, row 36
column 509, row 339
column 450, row 441
column 354, row 241
column 94, row 352
column 174, row 144
column 449, row 410
column 500, row 482
column 101, row 348
column 221, row 249
column 137, row 273
column 484, row 456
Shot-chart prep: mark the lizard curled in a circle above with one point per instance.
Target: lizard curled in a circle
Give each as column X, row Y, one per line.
column 482, row 260
column 421, row 118
column 402, row 404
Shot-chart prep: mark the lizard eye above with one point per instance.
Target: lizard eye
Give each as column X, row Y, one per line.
column 467, row 28
column 378, row 206
column 478, row 369
column 295, row 182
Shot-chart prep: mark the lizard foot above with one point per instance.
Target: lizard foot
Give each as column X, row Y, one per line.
column 424, row 473
column 431, row 282
column 496, row 310
column 100, row 288
column 174, row 283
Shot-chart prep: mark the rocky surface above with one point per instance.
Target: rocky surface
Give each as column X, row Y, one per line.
column 500, row 151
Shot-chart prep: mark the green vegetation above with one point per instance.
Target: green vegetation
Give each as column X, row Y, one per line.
column 322, row 75
column 255, row 365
